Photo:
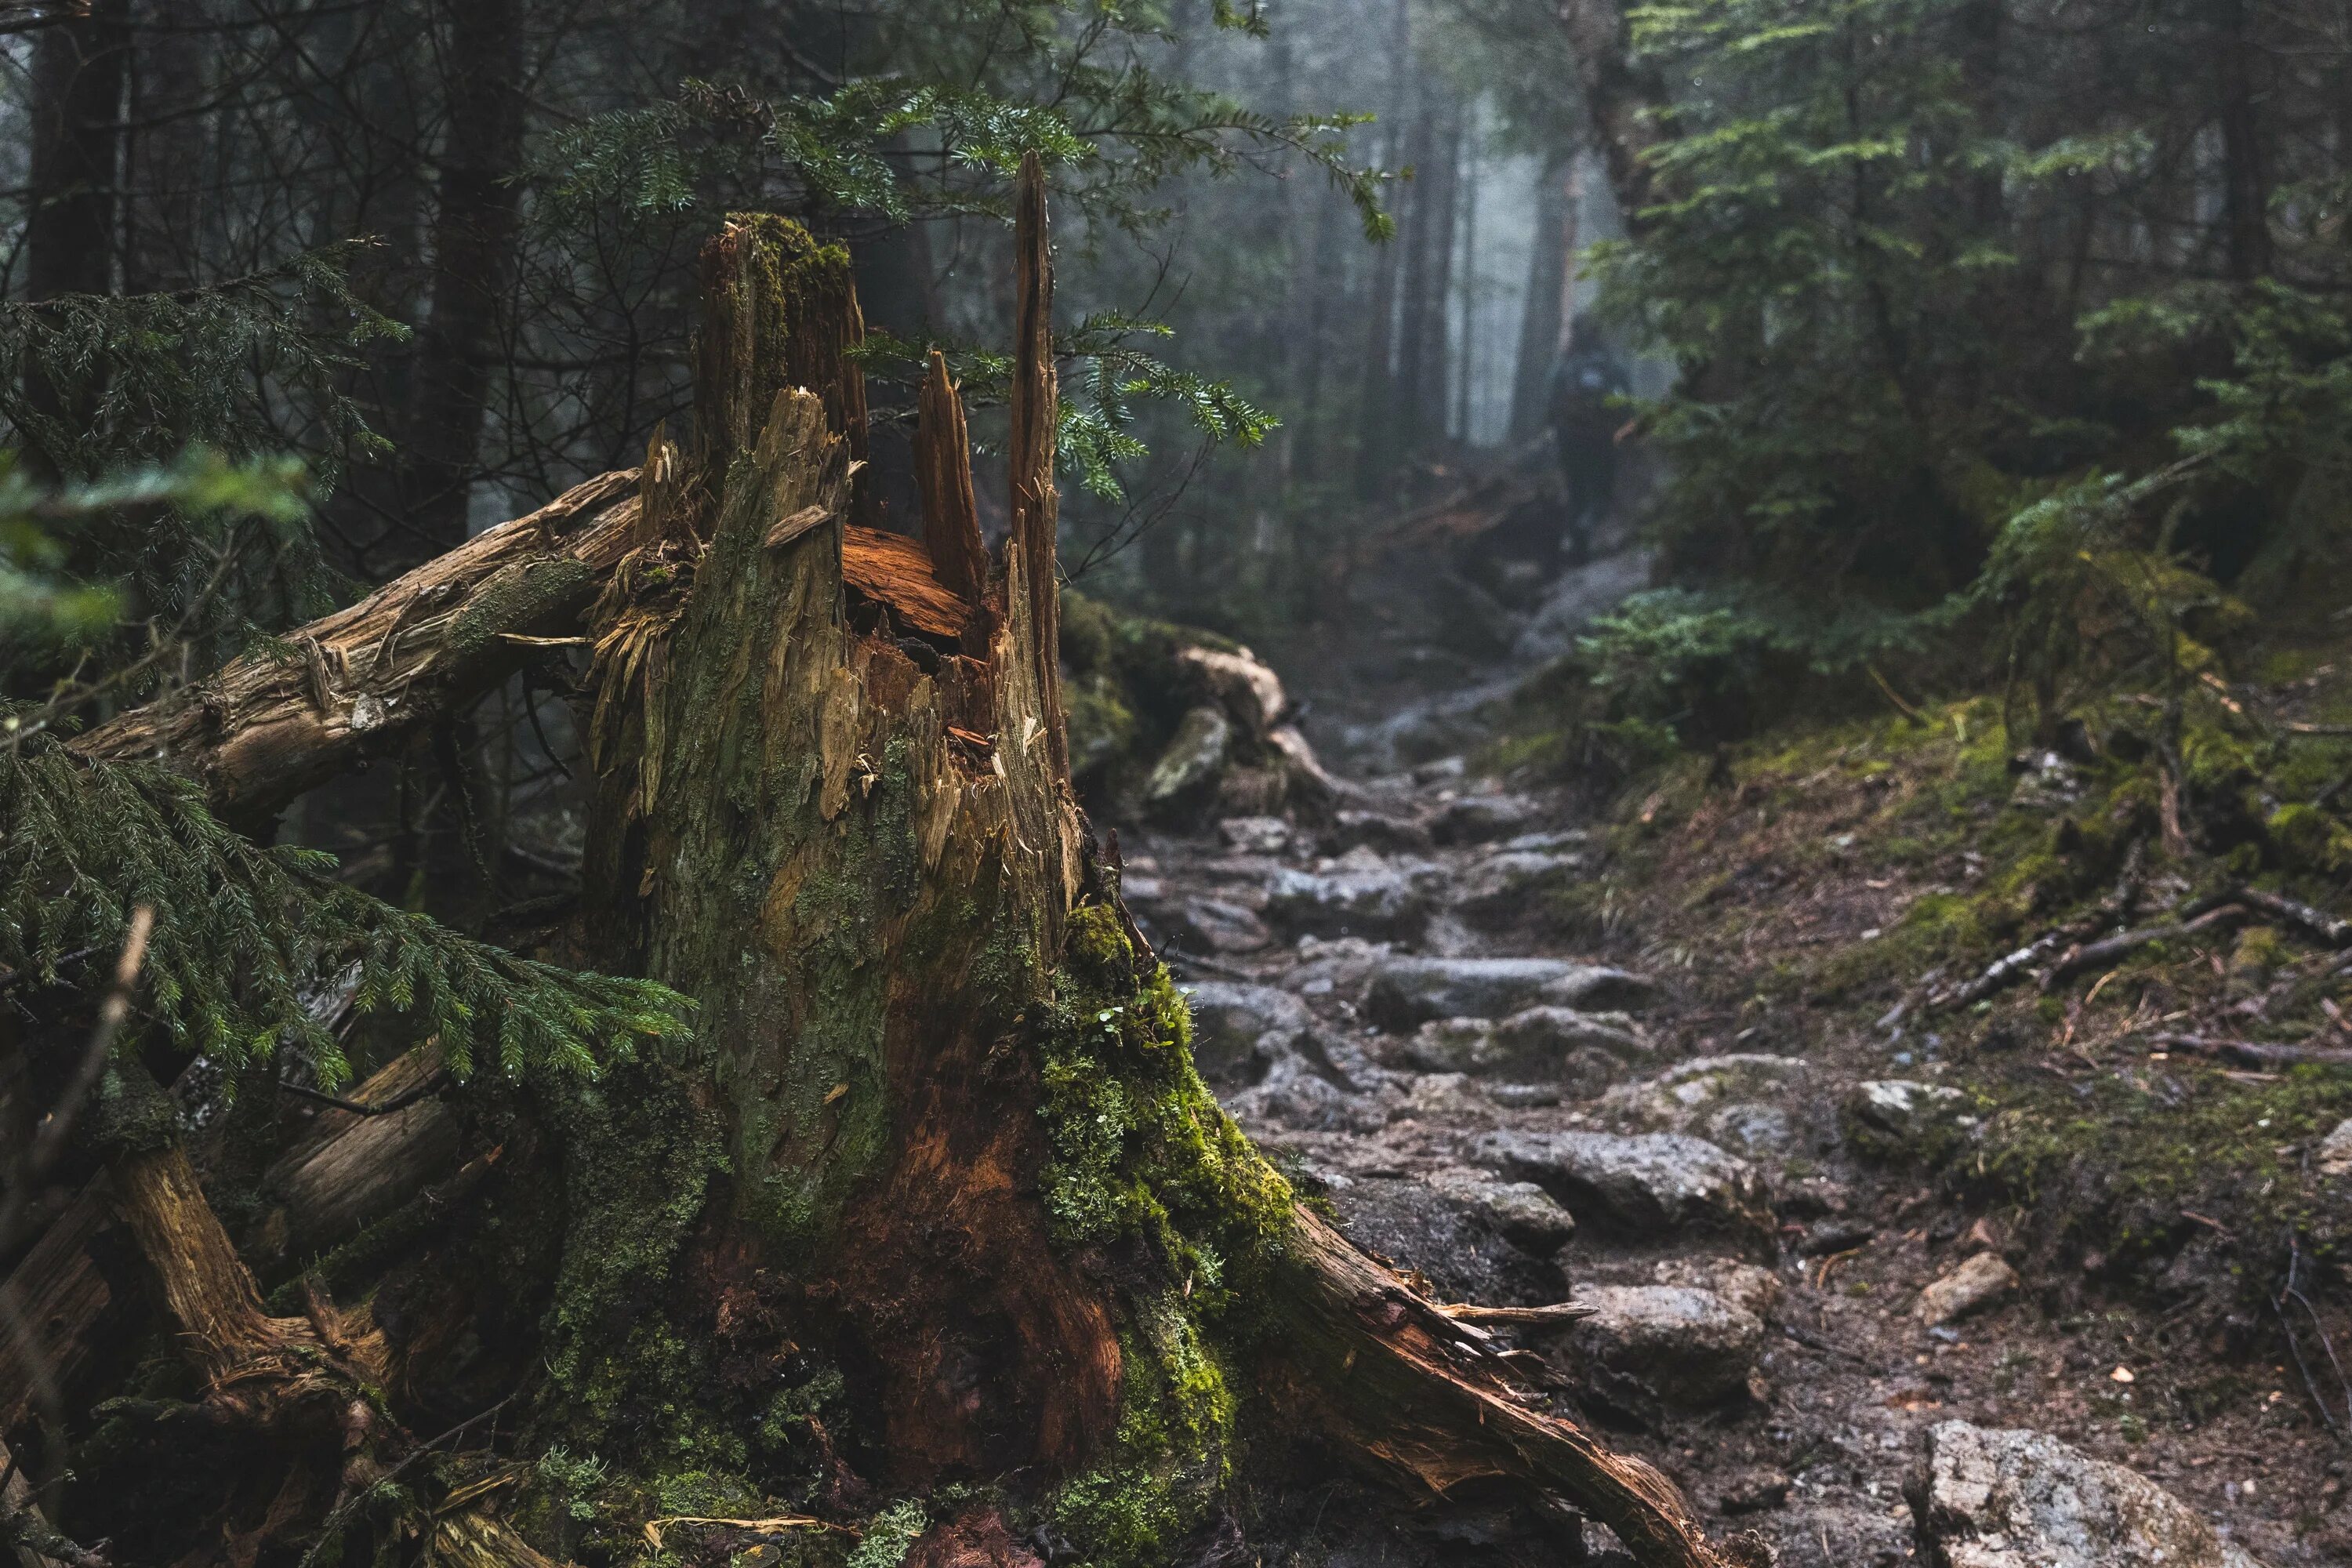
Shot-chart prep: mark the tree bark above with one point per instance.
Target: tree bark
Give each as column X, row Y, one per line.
column 473, row 256
column 1621, row 97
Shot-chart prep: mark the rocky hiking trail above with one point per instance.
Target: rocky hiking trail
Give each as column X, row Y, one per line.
column 1810, row 1337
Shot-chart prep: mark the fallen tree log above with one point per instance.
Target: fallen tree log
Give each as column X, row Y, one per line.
column 68, row 1287
column 355, row 684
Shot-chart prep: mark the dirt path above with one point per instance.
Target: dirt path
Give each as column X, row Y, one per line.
column 1385, row 1001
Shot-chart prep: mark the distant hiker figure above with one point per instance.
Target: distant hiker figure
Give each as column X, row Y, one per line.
column 1585, row 427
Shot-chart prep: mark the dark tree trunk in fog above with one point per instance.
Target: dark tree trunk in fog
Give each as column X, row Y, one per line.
column 166, row 227
column 1375, row 422
column 2245, row 189
column 1548, row 267
column 473, row 256
column 1434, row 149
column 79, row 69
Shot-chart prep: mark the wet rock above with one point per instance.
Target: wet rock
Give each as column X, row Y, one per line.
column 1298, row 1094
column 1522, row 1211
column 2336, row 1151
column 1690, row 1347
column 1379, row 830
column 1335, row 967
column 1756, row 1132
column 1238, row 1029
column 1255, row 835
column 1360, row 892
column 1511, row 883
column 1408, row 992
column 1744, row 1284
column 1985, row 1497
column 1648, row 1184
column 1897, row 1119
column 1460, row 1242
column 1188, row 768
column 1530, row 1046
column 1978, row 1282
column 1482, row 818
column 1680, row 1095
column 1219, row 925
column 1446, row 1097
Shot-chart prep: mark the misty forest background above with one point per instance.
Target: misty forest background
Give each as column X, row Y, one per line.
column 1976, row 346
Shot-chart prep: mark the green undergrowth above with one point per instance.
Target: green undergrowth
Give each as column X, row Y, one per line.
column 1919, row 848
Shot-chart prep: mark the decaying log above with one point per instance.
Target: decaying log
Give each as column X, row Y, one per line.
column 353, row 1170
column 67, row 1285
column 354, row 684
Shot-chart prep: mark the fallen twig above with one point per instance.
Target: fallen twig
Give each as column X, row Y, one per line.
column 2115, row 949
column 2292, row 1293
column 2254, row 1053
column 1559, row 1315
column 2315, row 922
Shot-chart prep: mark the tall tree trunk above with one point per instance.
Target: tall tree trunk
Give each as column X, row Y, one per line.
column 2245, row 170
column 1429, row 263
column 1621, row 97
column 72, row 234
column 1376, row 419
column 473, row 258
column 1550, row 265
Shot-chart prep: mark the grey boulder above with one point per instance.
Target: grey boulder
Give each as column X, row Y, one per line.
column 1647, row 1184
column 1988, row 1498
column 1534, row 1045
column 1408, row 992
column 1686, row 1345
column 1360, row 893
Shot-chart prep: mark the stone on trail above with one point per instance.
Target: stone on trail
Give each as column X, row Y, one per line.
column 1467, row 1248
column 1522, row 1211
column 1683, row 1092
column 2336, row 1151
column 1360, row 893
column 1897, row 1119
column 1408, row 992
column 1510, row 883
column 1646, row 1186
column 1481, row 819
column 1978, row 1282
column 1985, row 1498
column 1238, row 1028
column 1530, row 1046
column 1688, row 1346
column 1255, row 835
column 1744, row 1284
